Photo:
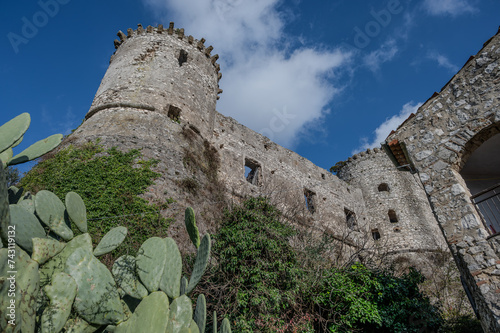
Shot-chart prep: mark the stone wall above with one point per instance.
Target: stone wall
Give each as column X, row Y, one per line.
column 439, row 139
column 159, row 95
column 396, row 202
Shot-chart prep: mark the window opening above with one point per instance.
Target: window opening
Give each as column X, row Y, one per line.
column 351, row 219
column 183, row 57
column 174, row 113
column 252, row 171
column 375, row 234
column 393, row 218
column 310, row 201
column 383, row 187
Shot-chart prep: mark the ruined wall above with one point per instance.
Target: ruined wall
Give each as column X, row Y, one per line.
column 439, row 139
column 287, row 178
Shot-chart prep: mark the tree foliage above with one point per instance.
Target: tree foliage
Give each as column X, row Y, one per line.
column 258, row 280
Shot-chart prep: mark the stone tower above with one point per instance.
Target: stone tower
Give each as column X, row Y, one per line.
column 159, row 95
column 401, row 220
column 162, row 71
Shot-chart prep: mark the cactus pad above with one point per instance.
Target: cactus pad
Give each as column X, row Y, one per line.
column 181, row 314
column 27, row 204
column 76, row 210
column 170, row 280
column 151, row 315
column 78, row 325
column 124, row 271
column 13, row 130
column 45, row 248
column 61, row 294
column 110, row 241
column 6, row 155
column 97, row 299
column 27, row 227
column 150, row 262
column 58, row 262
column 50, row 209
column 192, row 229
column 226, row 326
column 27, row 281
column 200, row 313
column 37, row 149
column 200, row 264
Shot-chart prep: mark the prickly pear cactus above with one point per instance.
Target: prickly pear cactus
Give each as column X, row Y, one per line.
column 76, row 210
column 50, row 209
column 11, row 134
column 97, row 298
column 192, row 229
column 150, row 262
column 200, row 263
column 170, row 281
column 61, row 294
column 110, row 241
column 124, row 271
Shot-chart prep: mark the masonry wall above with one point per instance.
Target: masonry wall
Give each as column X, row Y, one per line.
column 394, row 194
column 285, row 177
column 439, row 139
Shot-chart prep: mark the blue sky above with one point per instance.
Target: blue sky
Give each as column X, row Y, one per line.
column 323, row 78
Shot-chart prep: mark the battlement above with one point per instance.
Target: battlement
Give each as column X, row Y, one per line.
column 170, row 31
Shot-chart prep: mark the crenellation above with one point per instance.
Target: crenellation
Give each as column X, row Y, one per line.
column 122, row 36
column 180, row 33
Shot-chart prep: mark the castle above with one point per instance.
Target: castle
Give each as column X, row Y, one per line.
column 412, row 196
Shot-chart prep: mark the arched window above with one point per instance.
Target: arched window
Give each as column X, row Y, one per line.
column 383, row 187
column 393, row 218
column 375, row 234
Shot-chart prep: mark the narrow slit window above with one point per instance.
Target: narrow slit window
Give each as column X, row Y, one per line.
column 252, row 171
column 383, row 187
column 393, row 218
column 174, row 113
column 309, row 197
column 375, row 234
column 350, row 218
column 183, row 57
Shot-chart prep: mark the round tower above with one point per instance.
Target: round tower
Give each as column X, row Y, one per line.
column 163, row 71
column 401, row 219
column 159, row 96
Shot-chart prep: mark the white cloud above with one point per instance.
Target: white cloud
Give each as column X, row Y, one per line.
column 385, row 53
column 387, row 126
column 448, row 7
column 267, row 86
column 443, row 61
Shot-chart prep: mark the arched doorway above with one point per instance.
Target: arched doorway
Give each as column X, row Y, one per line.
column 481, row 173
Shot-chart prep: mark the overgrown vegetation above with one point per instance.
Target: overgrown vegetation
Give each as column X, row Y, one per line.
column 264, row 285
column 109, row 181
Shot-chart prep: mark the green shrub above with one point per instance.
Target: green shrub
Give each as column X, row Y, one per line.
column 260, row 282
column 109, row 181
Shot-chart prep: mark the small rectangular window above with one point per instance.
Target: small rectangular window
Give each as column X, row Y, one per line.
column 252, row 171
column 351, row 219
column 309, row 197
column 375, row 234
